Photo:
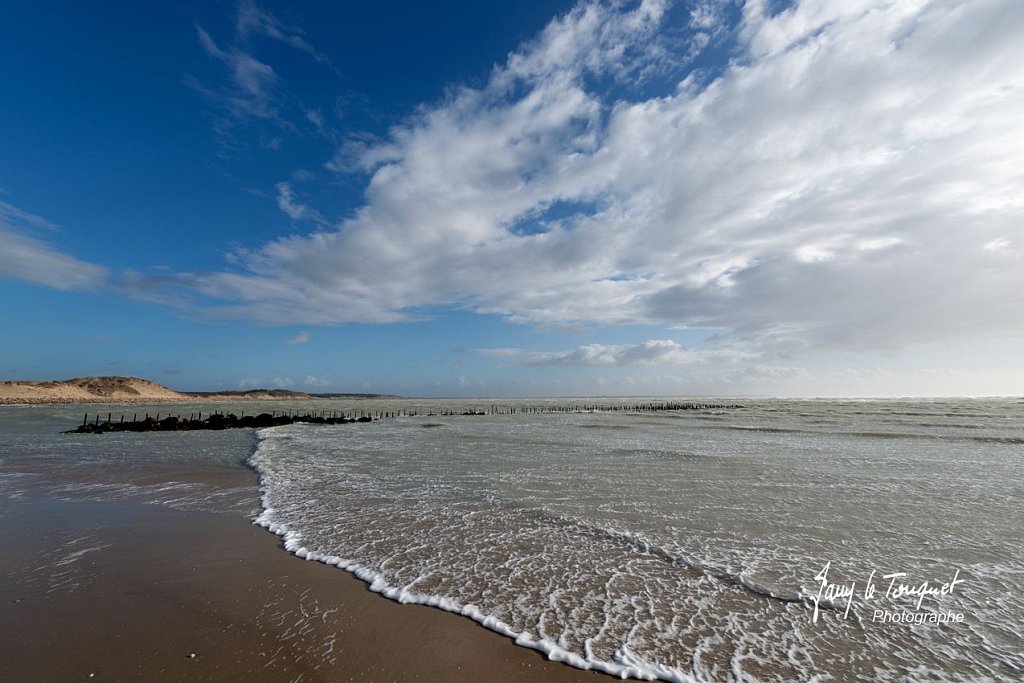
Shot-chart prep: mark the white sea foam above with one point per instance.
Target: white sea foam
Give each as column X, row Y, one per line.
column 625, row 665
column 670, row 549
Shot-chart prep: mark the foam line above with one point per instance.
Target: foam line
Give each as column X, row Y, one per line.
column 626, row 664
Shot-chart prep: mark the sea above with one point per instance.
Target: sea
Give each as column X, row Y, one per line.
column 771, row 540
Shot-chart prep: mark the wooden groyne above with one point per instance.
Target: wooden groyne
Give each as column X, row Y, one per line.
column 656, row 406
column 214, row 421
column 100, row 424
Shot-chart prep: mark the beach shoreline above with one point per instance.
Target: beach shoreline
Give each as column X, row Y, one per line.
column 114, row 390
column 99, row 590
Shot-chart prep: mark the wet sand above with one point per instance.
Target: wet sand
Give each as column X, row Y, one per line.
column 126, row 591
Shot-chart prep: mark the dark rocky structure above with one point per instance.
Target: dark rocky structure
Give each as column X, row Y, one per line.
column 177, row 423
column 218, row 420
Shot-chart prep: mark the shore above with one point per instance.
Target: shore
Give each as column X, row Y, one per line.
column 135, row 390
column 136, row 400
column 130, row 591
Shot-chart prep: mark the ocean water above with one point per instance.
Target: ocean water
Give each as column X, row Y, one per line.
column 711, row 545
column 184, row 470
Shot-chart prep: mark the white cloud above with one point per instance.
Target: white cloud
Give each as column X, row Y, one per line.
column 706, row 15
column 27, row 258
column 249, row 92
column 652, row 352
column 294, row 209
column 282, row 382
column 316, row 118
column 12, row 216
column 313, row 381
column 999, row 245
column 255, row 21
column 301, row 338
column 828, row 189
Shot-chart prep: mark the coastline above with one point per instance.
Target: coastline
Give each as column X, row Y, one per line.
column 133, row 401
column 114, row 389
column 131, row 591
column 184, row 399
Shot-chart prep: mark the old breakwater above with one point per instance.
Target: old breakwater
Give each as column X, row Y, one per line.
column 100, row 424
column 215, row 420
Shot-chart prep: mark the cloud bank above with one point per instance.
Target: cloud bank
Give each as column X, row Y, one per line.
column 652, row 352
column 28, row 258
column 847, row 178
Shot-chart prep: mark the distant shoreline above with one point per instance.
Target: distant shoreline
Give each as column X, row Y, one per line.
column 115, row 389
column 185, row 398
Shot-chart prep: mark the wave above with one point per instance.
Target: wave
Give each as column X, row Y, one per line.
column 641, row 545
column 770, row 430
column 656, row 453
column 534, row 527
column 624, row 664
column 883, row 434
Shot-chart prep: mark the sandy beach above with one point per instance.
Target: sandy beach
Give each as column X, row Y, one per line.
column 135, row 390
column 124, row 591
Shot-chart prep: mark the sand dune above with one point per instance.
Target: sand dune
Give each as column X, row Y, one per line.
column 115, row 389
column 122, row 390
column 87, row 390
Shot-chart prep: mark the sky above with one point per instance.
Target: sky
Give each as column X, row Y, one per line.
column 703, row 197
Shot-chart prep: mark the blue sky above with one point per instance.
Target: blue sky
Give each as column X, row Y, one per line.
column 462, row 198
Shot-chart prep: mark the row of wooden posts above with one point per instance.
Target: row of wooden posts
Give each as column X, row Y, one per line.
column 351, row 415
column 595, row 408
column 221, row 420
column 491, row 410
column 215, row 421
